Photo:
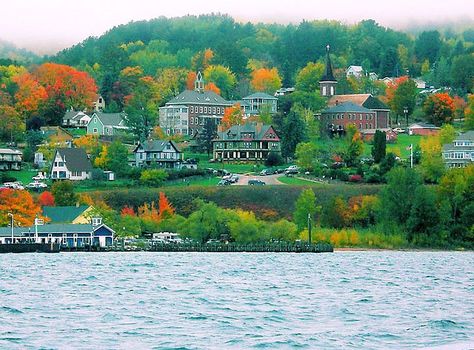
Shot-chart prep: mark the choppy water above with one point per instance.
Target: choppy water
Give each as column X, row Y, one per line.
column 360, row 300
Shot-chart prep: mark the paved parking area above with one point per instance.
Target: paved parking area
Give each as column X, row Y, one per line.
column 268, row 179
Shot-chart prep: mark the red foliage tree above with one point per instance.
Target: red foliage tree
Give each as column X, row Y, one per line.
column 46, row 199
column 127, row 211
column 20, row 204
column 164, row 206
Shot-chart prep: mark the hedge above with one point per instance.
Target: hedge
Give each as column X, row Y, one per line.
column 268, row 202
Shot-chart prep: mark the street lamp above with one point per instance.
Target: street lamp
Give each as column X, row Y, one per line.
column 405, row 110
column 11, row 223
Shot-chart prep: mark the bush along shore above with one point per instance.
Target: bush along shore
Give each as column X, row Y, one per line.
column 403, row 214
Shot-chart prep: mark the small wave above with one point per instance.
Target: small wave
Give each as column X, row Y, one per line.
column 444, row 324
column 10, row 310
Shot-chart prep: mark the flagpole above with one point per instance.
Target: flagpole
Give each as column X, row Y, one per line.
column 411, row 155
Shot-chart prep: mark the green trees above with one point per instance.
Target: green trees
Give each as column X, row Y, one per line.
column 307, row 79
column 142, row 107
column 462, row 72
column 293, row 132
column 402, row 95
column 424, row 216
column 222, row 77
column 305, row 204
column 63, row 193
column 398, row 196
column 114, row 158
column 354, row 145
column 153, row 177
column 379, row 147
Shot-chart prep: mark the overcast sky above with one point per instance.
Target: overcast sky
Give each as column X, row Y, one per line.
column 49, row 25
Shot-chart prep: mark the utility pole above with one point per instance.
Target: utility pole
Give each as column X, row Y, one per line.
column 309, row 228
column 11, row 224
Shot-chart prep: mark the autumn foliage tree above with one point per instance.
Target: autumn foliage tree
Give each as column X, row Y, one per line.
column 164, row 206
column 439, row 109
column 401, row 94
column 52, row 88
column 265, row 80
column 20, row 204
column 46, row 199
column 232, row 116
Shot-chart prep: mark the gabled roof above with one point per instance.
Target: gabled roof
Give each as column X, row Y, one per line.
column 365, row 100
column 10, row 151
column 467, row 136
column 357, row 69
column 261, row 95
column 198, row 97
column 156, row 145
column 64, row 214
column 423, row 125
column 348, row 107
column 75, row 158
column 235, row 132
column 110, row 119
column 73, row 115
column 54, row 130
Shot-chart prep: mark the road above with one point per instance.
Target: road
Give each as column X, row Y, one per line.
column 268, row 179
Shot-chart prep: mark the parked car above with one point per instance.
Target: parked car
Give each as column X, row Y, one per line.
column 39, row 177
column 36, row 185
column 399, row 130
column 223, row 182
column 292, row 169
column 14, row 185
column 234, row 178
column 256, row 182
column 265, row 172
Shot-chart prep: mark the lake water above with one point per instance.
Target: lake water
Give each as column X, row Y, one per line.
column 359, row 300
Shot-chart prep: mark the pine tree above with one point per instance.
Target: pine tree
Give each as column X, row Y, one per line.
column 380, row 146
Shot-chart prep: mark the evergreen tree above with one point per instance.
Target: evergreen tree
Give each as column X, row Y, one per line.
column 293, row 132
column 424, row 216
column 63, row 193
column 305, row 204
column 379, row 147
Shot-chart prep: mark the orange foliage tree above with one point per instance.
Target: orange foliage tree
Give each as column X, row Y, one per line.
column 127, row 211
column 439, row 109
column 165, row 208
column 190, row 79
column 20, row 204
column 46, row 199
column 232, row 116
column 52, row 88
column 30, row 95
column 89, row 142
column 266, row 80
column 212, row 87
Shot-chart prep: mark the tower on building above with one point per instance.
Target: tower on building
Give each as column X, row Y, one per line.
column 199, row 83
column 327, row 84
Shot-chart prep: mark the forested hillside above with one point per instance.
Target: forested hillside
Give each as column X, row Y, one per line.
column 163, row 43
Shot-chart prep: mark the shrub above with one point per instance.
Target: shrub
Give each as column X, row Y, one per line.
column 355, row 178
column 153, row 177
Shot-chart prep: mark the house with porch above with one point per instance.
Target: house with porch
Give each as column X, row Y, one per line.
column 70, row 164
column 108, row 124
column 10, row 159
column 460, row 152
column 248, row 142
column 160, row 153
column 94, row 233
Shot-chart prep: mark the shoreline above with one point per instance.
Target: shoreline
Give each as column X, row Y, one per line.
column 363, row 249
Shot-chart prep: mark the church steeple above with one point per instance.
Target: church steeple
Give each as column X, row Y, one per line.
column 327, row 84
column 199, row 83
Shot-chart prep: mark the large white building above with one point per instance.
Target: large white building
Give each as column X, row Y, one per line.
column 70, row 164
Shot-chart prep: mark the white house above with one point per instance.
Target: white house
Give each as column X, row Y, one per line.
column 355, row 71
column 420, row 84
column 70, row 164
column 10, row 159
column 460, row 152
column 75, row 119
column 99, row 105
column 161, row 153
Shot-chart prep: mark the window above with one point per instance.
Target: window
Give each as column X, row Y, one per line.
column 200, row 109
column 213, row 110
column 192, row 109
column 95, row 131
column 360, row 116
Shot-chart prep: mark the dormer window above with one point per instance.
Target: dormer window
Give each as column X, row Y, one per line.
column 96, row 221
